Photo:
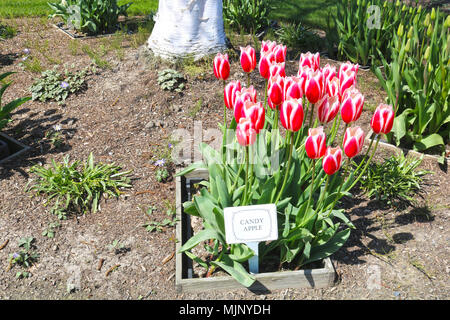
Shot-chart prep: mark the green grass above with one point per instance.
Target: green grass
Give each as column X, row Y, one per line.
column 22, row 8
column 312, row 13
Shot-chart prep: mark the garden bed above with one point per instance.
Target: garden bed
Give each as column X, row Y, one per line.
column 126, row 118
column 322, row 276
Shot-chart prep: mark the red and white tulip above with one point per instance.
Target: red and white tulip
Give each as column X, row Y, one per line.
column 382, row 119
column 353, row 141
column 229, row 93
column 245, row 132
column 352, row 105
column 248, row 59
column 332, row 160
column 291, row 114
column 328, row 109
column 315, row 144
column 221, row 66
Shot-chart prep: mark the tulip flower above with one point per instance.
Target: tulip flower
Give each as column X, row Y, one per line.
column 332, row 160
column 293, row 88
column 353, row 141
column 309, row 60
column 248, row 59
column 230, row 93
column 315, row 144
column 328, row 109
column 265, row 62
column 329, row 72
column 382, row 119
column 347, row 76
column 267, row 46
column 291, row 114
column 275, row 90
column 314, row 86
column 303, row 74
column 245, row 132
column 352, row 105
column 280, row 53
column 277, row 69
column 221, row 66
column 246, row 94
column 256, row 113
column 332, row 87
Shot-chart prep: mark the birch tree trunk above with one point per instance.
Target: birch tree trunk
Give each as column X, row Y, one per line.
column 187, row 28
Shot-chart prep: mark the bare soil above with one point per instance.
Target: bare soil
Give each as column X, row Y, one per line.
column 126, row 118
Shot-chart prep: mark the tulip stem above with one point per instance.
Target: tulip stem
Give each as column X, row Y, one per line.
column 323, row 193
column 224, row 110
column 241, row 167
column 312, row 183
column 246, row 175
column 286, row 174
column 275, row 119
column 251, row 175
column 311, row 115
column 343, row 136
column 248, row 79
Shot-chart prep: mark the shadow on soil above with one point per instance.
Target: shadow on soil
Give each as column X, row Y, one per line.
column 39, row 131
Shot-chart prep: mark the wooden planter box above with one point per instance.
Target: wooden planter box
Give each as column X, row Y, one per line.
column 15, row 148
column 265, row 282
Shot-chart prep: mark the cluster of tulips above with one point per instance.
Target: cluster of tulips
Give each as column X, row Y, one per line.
column 310, row 107
column 326, row 90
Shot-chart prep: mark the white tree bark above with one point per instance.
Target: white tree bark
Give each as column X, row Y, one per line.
column 186, row 28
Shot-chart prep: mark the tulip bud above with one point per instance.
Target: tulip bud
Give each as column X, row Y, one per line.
column 382, row 119
column 416, row 19
column 419, row 9
column 276, row 90
column 245, row 133
column 328, row 109
column 404, row 8
column 426, row 22
column 256, row 113
column 400, row 30
column 221, row 66
column 314, row 86
column 447, row 22
column 408, row 45
column 353, row 141
column 430, row 67
column 427, row 53
column 248, row 59
column 433, row 14
column 291, row 114
column 397, row 4
column 332, row 160
column 430, row 30
column 315, row 144
column 410, row 32
column 352, row 105
column 230, row 93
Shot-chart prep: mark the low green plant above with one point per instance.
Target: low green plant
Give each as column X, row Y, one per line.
column 77, row 190
column 50, row 231
column 5, row 110
column 161, row 174
column 159, row 226
column 7, row 32
column 298, row 36
column 394, row 180
column 171, row 80
column 26, row 257
column 32, row 64
column 417, row 82
column 53, row 85
column 89, row 16
column 250, row 16
column 97, row 56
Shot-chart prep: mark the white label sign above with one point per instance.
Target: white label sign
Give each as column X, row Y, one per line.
column 251, row 223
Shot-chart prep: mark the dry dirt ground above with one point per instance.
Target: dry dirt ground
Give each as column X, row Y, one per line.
column 126, row 118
